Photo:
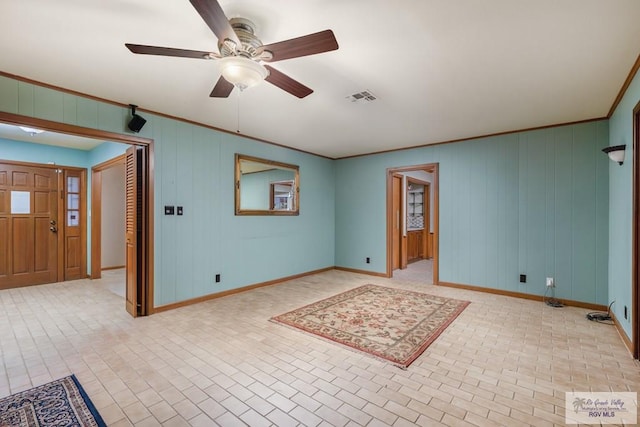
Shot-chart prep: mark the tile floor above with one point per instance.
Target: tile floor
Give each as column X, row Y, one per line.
column 502, row 362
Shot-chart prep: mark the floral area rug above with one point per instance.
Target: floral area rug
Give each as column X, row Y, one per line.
column 59, row 403
column 393, row 324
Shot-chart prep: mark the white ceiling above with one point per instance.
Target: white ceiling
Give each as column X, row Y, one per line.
column 15, row 133
column 441, row 69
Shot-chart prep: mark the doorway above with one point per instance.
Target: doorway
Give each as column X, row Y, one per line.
column 142, row 299
column 42, row 223
column 412, row 218
column 108, row 213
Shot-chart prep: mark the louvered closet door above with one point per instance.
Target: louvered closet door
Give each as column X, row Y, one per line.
column 134, row 237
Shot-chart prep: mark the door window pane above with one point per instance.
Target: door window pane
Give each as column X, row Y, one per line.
column 20, row 202
column 73, row 218
column 73, row 184
column 73, row 201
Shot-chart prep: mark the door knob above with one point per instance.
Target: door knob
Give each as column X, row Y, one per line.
column 53, row 228
column 52, row 222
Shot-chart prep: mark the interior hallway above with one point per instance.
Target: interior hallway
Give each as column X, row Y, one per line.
column 503, row 361
column 419, row 271
column 114, row 281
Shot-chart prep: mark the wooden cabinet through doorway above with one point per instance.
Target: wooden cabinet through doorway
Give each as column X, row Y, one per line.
column 415, row 245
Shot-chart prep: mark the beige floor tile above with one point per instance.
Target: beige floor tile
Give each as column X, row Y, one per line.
column 176, row 421
column 503, row 361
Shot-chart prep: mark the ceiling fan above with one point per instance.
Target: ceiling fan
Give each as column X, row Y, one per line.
column 243, row 53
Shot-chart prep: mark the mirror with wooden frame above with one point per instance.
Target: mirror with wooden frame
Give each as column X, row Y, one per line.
column 266, row 187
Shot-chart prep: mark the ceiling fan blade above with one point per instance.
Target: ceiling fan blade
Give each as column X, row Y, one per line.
column 170, row 51
column 214, row 17
column 222, row 89
column 311, row 44
column 286, row 83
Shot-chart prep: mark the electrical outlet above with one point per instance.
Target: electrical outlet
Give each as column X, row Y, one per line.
column 368, row 260
column 523, row 278
column 550, row 282
column 218, row 278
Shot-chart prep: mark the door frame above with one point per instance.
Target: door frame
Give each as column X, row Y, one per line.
column 635, row 245
column 396, row 217
column 432, row 168
column 146, row 143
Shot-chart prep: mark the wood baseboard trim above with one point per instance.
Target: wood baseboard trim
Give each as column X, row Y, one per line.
column 115, row 267
column 581, row 304
column 623, row 335
column 355, row 270
column 216, row 295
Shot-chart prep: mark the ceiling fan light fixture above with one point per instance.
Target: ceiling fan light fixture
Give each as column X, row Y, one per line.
column 31, row 131
column 242, row 72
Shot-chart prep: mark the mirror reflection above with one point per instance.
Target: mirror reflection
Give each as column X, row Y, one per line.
column 266, row 187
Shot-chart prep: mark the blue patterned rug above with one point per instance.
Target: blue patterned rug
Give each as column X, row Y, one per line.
column 59, row 403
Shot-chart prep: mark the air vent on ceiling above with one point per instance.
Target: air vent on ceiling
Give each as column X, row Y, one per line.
column 365, row 95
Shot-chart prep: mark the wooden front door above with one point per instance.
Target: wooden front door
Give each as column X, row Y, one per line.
column 136, row 277
column 28, row 225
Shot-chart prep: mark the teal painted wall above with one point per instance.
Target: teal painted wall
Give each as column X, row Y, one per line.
column 532, row 202
column 63, row 156
column 39, row 153
column 105, row 151
column 621, row 207
column 194, row 168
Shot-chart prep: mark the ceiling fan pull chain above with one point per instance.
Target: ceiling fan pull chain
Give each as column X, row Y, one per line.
column 238, row 112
